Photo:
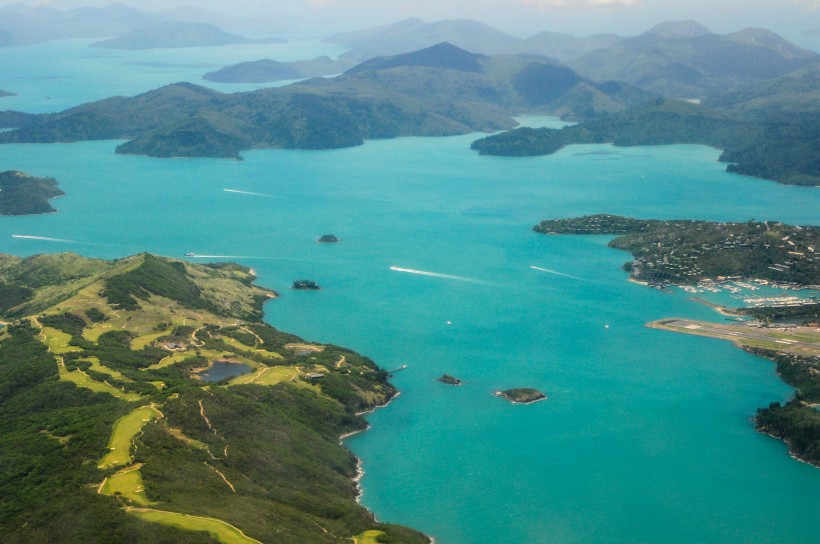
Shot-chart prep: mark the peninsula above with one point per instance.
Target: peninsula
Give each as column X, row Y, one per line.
column 785, row 151
column 106, row 435
column 684, row 252
column 23, row 194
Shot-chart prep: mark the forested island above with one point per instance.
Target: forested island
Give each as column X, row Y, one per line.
column 449, row 380
column 521, row 395
column 308, row 285
column 23, row 194
column 438, row 91
column 684, row 252
column 787, row 150
column 106, row 436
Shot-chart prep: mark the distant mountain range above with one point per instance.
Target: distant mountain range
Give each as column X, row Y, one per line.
column 788, row 98
column 686, row 60
column 442, row 90
column 25, row 25
column 680, row 59
column 267, row 70
column 175, row 34
column 413, row 34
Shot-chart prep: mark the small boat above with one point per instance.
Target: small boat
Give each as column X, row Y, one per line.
column 190, row 254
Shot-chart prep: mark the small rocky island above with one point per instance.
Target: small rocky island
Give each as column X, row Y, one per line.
column 23, row 194
column 521, row 395
column 306, row 285
column 449, row 380
column 328, row 239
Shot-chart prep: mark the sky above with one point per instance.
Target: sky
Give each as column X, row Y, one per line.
column 790, row 18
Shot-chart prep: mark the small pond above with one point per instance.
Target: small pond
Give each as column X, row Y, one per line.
column 221, row 370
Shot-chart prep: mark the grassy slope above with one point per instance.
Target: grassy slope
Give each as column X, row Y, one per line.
column 261, row 458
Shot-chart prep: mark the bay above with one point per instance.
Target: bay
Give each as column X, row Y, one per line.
column 646, row 436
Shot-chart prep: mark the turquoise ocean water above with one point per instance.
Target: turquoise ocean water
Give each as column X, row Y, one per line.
column 646, row 436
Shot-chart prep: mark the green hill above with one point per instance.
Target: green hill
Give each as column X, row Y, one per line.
column 443, row 55
column 110, row 434
column 788, row 98
column 22, row 194
column 780, row 151
column 414, row 34
column 265, row 70
column 436, row 92
column 685, row 60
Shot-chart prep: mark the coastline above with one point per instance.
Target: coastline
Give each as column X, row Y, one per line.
column 788, row 444
column 722, row 310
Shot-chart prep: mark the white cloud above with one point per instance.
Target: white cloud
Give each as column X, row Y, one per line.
column 563, row 3
column 808, row 5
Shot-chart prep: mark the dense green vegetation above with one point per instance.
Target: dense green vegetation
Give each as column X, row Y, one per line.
column 788, row 152
column 809, row 312
column 49, row 430
column 22, row 194
column 153, row 276
column 798, row 421
column 439, row 91
column 258, row 456
column 685, row 252
column 797, row 424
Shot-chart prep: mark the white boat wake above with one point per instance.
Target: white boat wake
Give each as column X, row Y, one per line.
column 247, row 193
column 198, row 256
column 44, row 238
column 437, row 275
column 548, row 271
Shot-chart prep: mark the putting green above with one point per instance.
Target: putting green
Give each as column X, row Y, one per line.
column 57, row 341
column 368, row 537
column 267, row 376
column 126, row 428
column 127, row 484
column 220, row 530
column 80, row 379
